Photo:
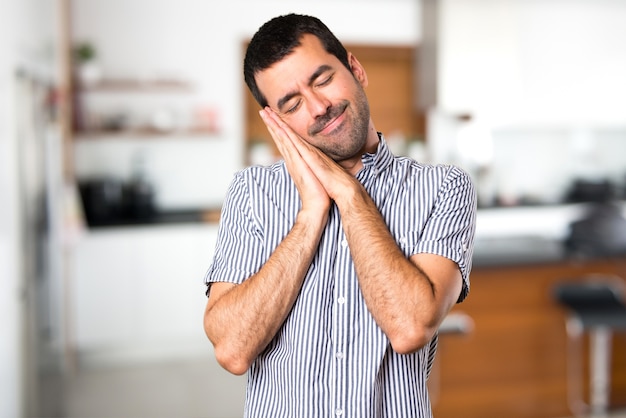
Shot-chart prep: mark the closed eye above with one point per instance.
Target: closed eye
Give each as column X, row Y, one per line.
column 293, row 108
column 322, row 83
column 325, row 81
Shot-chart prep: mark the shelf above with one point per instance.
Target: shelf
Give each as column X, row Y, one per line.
column 145, row 133
column 138, row 86
column 122, row 116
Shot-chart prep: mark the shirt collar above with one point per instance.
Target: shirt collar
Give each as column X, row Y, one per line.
column 379, row 160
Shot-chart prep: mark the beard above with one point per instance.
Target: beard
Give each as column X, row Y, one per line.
column 345, row 142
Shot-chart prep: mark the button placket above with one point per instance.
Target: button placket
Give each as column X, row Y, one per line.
column 343, row 255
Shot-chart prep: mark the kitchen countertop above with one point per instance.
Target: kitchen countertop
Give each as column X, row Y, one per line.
column 504, row 237
column 526, row 235
column 503, row 251
column 488, row 251
column 179, row 216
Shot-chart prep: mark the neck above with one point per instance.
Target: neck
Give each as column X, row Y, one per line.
column 353, row 165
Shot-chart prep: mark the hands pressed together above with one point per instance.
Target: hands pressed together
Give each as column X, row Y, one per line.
column 318, row 178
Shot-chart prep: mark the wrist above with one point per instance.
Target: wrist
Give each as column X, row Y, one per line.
column 352, row 198
column 313, row 217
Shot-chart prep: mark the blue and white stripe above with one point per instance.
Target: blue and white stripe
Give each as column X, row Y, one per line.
column 330, row 359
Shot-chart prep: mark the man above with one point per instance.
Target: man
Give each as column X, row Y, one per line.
column 335, row 267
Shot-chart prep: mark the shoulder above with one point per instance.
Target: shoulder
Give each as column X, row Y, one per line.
column 434, row 173
column 259, row 175
column 260, row 185
column 276, row 169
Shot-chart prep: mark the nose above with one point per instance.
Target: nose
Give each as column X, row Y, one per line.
column 318, row 104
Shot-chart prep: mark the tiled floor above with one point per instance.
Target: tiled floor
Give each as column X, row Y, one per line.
column 189, row 388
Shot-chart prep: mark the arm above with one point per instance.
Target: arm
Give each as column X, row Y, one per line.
column 408, row 298
column 241, row 320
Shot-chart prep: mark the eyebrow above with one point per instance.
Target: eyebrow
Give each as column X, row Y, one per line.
column 320, row 70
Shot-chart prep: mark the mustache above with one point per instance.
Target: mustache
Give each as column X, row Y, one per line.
column 323, row 120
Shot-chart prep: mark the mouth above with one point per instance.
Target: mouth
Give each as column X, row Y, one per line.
column 330, row 121
column 332, row 125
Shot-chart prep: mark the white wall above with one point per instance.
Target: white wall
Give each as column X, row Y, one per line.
column 26, row 42
column 10, row 345
column 551, row 62
column 10, row 392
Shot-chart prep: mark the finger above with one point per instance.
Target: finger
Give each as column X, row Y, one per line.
column 279, row 130
column 280, row 127
column 296, row 146
column 278, row 133
column 288, row 142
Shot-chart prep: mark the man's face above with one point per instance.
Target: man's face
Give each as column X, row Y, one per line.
column 320, row 99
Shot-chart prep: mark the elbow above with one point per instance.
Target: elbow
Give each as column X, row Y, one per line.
column 227, row 357
column 232, row 362
column 407, row 341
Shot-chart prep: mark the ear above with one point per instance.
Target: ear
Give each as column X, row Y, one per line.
column 357, row 70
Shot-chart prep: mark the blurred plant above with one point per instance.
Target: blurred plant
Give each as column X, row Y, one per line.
column 85, row 63
column 84, row 52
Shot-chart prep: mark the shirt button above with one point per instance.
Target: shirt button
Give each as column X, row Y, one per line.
column 344, row 243
column 403, row 240
column 341, row 300
column 339, row 355
column 339, row 412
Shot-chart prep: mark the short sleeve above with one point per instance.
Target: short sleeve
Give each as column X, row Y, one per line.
column 239, row 239
column 450, row 229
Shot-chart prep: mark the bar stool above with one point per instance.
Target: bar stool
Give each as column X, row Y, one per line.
column 596, row 305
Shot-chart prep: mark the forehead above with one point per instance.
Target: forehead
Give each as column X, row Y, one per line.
column 295, row 70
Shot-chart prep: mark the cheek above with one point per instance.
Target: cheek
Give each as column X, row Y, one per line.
column 299, row 123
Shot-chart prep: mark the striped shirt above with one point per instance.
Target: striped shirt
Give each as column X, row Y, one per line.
column 330, row 358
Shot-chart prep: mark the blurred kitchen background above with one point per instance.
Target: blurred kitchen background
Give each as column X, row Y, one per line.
column 123, row 121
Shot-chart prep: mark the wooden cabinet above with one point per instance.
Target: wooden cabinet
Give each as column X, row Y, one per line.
column 513, row 363
column 391, row 72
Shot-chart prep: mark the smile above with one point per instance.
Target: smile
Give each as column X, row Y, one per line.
column 334, row 124
column 329, row 122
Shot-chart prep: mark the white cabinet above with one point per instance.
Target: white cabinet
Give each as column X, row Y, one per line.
column 140, row 288
column 103, row 291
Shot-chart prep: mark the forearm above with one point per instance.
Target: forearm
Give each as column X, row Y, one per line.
column 243, row 320
column 400, row 296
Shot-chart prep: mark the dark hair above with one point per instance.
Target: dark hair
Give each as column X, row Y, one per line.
column 277, row 38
